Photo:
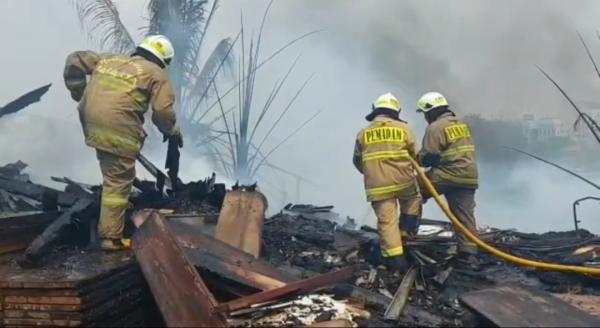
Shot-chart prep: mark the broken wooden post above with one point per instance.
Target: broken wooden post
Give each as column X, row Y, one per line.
column 394, row 310
column 180, row 293
column 241, row 220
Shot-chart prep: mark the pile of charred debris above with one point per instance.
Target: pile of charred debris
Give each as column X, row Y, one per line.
column 207, row 256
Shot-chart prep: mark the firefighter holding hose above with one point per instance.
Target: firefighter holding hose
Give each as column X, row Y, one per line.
column 382, row 154
column 449, row 151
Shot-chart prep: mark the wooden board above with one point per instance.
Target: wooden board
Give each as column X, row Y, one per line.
column 180, row 293
column 520, row 306
column 84, row 269
column 241, row 220
column 587, row 303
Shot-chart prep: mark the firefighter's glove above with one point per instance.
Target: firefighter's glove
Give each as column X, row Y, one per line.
column 431, row 160
column 175, row 135
column 76, row 95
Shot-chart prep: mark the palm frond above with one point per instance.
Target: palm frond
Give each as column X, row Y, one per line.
column 587, row 51
column 262, row 63
column 24, row 100
column 221, row 57
column 100, row 18
column 282, row 142
column 182, row 21
column 284, row 112
column 579, row 176
column 271, row 98
column 579, row 112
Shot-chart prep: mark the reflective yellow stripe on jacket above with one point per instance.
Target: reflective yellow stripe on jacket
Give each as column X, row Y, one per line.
column 115, row 200
column 383, row 155
column 396, row 251
column 458, row 150
column 389, row 190
column 112, row 139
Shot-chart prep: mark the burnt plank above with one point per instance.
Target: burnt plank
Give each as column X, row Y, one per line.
column 521, row 306
column 42, row 322
column 36, row 191
column 241, row 220
column 20, row 314
column 43, row 307
column 179, row 291
column 53, row 233
column 43, row 300
column 39, row 292
column 84, row 270
column 236, row 272
column 301, row 286
column 191, row 239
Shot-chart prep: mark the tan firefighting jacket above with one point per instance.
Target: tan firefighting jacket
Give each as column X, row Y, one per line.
column 112, row 104
column 381, row 154
column 451, row 139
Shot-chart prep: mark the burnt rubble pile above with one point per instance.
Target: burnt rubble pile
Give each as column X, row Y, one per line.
column 316, row 244
column 69, row 217
column 204, row 256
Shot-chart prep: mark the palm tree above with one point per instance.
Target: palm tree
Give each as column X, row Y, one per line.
column 237, row 146
column 232, row 145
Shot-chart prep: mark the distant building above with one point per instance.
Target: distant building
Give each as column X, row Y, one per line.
column 543, row 129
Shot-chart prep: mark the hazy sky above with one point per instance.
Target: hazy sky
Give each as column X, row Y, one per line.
column 481, row 54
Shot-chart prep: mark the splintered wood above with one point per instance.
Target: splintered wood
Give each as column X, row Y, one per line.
column 85, row 290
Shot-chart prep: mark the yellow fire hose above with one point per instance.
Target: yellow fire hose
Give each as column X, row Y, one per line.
column 494, row 251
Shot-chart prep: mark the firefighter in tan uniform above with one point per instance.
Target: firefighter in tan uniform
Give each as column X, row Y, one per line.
column 449, row 150
column 381, row 154
column 111, row 109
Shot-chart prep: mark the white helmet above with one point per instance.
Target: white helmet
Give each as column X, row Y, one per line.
column 159, row 46
column 430, row 101
column 387, row 101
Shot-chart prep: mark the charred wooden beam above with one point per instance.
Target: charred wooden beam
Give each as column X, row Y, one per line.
column 36, row 191
column 17, row 231
column 182, row 296
column 193, row 240
column 206, row 260
column 55, row 231
column 301, row 286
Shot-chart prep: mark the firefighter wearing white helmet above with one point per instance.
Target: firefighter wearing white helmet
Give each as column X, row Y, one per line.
column 449, row 151
column 381, row 154
column 160, row 47
column 114, row 92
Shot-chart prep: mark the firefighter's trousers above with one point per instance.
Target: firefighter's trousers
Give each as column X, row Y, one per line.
column 461, row 202
column 387, row 221
column 118, row 174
